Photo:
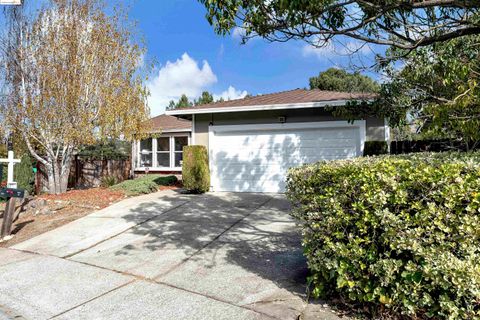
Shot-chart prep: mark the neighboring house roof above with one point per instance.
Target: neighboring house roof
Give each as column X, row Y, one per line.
column 298, row 98
column 166, row 123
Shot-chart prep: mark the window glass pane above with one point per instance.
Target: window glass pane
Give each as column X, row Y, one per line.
column 178, row 159
column 146, row 160
column 163, row 159
column 163, row 144
column 146, row 145
column 180, row 142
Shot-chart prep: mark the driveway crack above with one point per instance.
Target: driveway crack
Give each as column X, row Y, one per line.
column 94, row 298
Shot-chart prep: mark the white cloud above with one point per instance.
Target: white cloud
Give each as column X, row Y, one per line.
column 231, row 94
column 238, row 33
column 332, row 49
column 184, row 76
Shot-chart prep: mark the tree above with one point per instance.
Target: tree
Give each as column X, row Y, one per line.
column 171, row 105
column 72, row 78
column 183, row 102
column 205, row 98
column 334, row 79
column 437, row 90
column 400, row 23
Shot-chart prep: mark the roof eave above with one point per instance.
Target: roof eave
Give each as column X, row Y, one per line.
column 319, row 104
column 170, row 130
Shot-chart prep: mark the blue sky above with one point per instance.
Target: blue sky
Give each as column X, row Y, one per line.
column 191, row 57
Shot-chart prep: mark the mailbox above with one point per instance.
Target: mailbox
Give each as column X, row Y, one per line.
column 12, row 193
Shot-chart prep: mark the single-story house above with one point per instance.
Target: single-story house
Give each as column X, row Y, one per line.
column 252, row 142
column 162, row 151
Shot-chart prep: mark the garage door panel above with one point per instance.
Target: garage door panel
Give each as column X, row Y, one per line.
column 276, row 139
column 258, row 160
column 286, row 145
column 290, row 156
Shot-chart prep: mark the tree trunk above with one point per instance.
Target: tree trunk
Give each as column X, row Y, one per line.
column 51, row 179
column 57, row 174
column 65, row 173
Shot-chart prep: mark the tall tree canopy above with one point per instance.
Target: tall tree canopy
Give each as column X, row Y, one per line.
column 406, row 24
column 183, row 102
column 437, row 88
column 205, row 98
column 72, row 77
column 334, row 79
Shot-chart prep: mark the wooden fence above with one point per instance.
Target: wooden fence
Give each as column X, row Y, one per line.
column 409, row 146
column 87, row 173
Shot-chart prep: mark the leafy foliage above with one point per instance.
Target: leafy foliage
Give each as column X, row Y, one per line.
column 205, row 98
column 23, row 173
column 183, row 102
column 334, row 79
column 111, row 150
column 394, row 231
column 145, row 184
column 195, row 171
column 71, row 78
column 436, row 90
column 108, row 181
column 400, row 23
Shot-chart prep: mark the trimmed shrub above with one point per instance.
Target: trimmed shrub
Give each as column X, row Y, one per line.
column 195, row 172
column 372, row 148
column 143, row 185
column 400, row 232
column 23, row 174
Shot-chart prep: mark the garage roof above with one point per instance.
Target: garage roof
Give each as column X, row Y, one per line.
column 293, row 99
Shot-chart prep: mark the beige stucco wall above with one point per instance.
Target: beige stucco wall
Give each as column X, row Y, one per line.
column 375, row 126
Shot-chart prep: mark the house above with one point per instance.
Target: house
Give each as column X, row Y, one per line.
column 252, row 142
column 162, row 151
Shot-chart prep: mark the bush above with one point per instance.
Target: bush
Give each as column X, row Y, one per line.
column 195, row 172
column 145, row 184
column 400, row 232
column 110, row 150
column 373, row 148
column 23, row 174
column 108, row 181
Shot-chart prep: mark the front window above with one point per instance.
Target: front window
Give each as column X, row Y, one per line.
column 180, row 142
column 163, row 152
column 146, row 152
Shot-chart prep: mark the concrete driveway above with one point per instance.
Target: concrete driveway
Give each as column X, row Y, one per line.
column 163, row 256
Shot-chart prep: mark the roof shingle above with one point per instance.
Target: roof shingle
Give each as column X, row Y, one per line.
column 287, row 97
column 164, row 122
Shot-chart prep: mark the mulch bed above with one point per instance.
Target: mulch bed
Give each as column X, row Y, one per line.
column 65, row 208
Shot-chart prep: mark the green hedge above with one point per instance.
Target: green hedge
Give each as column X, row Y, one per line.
column 401, row 232
column 145, row 184
column 195, row 172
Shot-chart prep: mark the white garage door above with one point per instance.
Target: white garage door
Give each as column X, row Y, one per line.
column 256, row 158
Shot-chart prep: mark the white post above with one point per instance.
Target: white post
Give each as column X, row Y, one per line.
column 11, row 162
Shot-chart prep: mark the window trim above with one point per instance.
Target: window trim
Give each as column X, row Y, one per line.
column 155, row 151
